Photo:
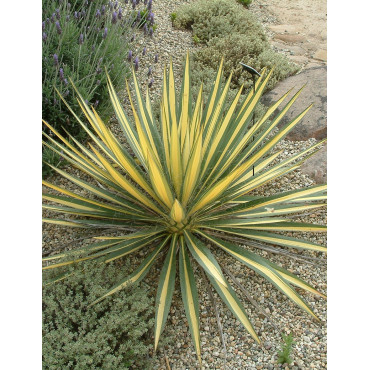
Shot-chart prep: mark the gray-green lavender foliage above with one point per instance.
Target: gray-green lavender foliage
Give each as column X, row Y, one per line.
column 80, row 39
column 114, row 334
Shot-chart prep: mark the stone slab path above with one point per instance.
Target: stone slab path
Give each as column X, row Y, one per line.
column 298, row 28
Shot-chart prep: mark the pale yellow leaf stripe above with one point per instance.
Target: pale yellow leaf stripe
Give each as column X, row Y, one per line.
column 163, row 295
column 212, row 268
column 190, row 303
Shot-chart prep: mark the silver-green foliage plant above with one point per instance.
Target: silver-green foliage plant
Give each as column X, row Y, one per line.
column 79, row 40
column 114, row 335
column 231, row 32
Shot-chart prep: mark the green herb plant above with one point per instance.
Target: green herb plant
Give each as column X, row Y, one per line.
column 286, row 348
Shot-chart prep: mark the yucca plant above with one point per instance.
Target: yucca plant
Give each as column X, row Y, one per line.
column 182, row 184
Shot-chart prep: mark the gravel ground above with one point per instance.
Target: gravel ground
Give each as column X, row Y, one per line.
column 283, row 316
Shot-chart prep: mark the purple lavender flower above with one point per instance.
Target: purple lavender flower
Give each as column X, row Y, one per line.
column 149, row 5
column 93, row 48
column 150, row 83
column 120, row 13
column 144, row 50
column 96, row 103
column 47, row 20
column 133, row 4
column 57, row 13
column 149, row 71
column 67, row 17
column 133, row 38
column 145, row 2
column 59, row 29
column 98, row 71
column 156, row 58
column 105, row 33
column 145, row 29
column 44, row 36
column 129, row 57
column 66, row 93
column 151, row 18
column 65, row 81
column 103, row 10
column 55, row 57
column 83, row 13
column 138, row 17
column 115, row 4
column 100, row 61
column 81, row 39
column 98, row 14
column 76, row 15
column 61, row 74
column 110, row 4
column 151, row 31
column 136, row 63
column 43, row 25
column 53, row 17
column 114, row 17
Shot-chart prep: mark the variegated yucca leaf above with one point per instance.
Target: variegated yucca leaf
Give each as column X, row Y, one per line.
column 182, row 186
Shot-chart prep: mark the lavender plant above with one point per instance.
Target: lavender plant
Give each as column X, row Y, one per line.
column 80, row 40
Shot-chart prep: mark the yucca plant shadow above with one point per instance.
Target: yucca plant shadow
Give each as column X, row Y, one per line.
column 186, row 186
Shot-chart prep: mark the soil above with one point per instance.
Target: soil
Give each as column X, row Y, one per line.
column 297, row 28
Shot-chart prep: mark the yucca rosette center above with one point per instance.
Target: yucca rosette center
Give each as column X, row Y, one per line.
column 177, row 220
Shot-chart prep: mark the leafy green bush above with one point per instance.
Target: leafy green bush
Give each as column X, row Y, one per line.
column 230, row 31
column 182, row 187
column 113, row 335
column 79, row 42
column 245, row 2
column 217, row 18
column 286, row 348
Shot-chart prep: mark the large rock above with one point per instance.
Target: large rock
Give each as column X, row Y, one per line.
column 314, row 122
column 316, row 166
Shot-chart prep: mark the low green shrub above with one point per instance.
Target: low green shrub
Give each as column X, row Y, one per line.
column 232, row 32
column 236, row 48
column 212, row 18
column 114, row 334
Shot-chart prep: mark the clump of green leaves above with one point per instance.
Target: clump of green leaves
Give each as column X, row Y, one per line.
column 113, row 335
column 245, row 2
column 232, row 32
column 286, row 348
column 173, row 17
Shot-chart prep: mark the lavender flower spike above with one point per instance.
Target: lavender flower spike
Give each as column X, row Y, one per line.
column 98, row 14
column 120, row 13
column 103, row 10
column 145, row 29
column 59, row 29
column 61, row 73
column 55, row 57
column 114, row 17
column 149, row 5
column 43, row 25
column 151, row 31
column 81, row 39
column 129, row 58
column 136, row 62
column 156, row 58
column 149, row 71
column 150, row 83
column 144, row 50
column 44, row 36
column 105, row 33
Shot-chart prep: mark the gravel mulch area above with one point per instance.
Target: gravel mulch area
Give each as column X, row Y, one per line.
column 282, row 315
